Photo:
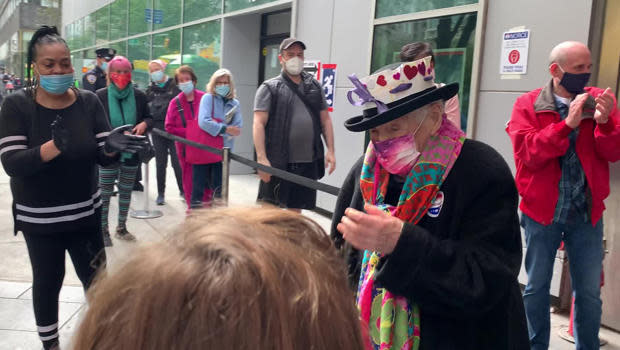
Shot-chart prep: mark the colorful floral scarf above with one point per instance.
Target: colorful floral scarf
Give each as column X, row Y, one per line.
column 392, row 321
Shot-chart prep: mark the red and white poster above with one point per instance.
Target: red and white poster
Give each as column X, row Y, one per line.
column 515, row 47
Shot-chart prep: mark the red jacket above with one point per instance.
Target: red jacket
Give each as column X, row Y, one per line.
column 539, row 138
column 174, row 124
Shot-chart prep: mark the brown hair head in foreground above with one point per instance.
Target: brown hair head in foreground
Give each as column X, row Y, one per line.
column 230, row 279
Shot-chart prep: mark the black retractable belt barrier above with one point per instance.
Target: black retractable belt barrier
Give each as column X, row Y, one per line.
column 300, row 180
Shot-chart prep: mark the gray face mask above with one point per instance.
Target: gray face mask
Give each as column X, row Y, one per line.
column 294, row 66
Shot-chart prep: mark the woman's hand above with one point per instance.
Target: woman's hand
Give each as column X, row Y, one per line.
column 140, row 129
column 374, row 230
column 233, row 130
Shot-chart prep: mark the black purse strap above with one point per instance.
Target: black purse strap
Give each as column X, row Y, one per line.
column 181, row 111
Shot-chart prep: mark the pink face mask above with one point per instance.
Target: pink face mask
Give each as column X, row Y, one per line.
column 398, row 155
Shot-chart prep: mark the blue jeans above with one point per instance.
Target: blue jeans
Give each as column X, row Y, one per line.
column 584, row 245
column 206, row 176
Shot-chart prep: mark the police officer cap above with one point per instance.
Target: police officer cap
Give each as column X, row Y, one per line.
column 106, row 53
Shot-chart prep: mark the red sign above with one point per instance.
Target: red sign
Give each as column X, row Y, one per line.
column 514, row 56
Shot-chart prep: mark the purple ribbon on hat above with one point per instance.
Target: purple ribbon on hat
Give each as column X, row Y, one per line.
column 364, row 95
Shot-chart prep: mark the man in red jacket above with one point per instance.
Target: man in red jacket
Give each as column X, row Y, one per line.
column 564, row 136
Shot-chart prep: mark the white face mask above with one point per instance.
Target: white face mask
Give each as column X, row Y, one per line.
column 294, row 66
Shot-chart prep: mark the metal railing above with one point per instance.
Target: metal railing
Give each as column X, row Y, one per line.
column 227, row 156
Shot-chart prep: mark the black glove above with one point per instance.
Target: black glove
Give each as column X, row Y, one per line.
column 60, row 134
column 147, row 153
column 118, row 141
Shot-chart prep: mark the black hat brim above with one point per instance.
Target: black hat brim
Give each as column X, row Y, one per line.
column 370, row 119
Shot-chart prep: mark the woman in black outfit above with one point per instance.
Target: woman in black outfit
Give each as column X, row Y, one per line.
column 51, row 138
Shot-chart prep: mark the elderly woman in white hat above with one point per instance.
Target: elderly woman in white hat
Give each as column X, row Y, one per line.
column 428, row 223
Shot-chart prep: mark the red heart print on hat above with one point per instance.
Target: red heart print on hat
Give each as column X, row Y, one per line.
column 410, row 72
column 396, row 76
column 381, row 80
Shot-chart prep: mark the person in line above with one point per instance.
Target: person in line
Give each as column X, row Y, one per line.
column 428, row 222
column 52, row 135
column 421, row 49
column 159, row 94
column 124, row 105
column 182, row 114
column 564, row 136
column 95, row 78
column 290, row 115
column 220, row 121
column 248, row 278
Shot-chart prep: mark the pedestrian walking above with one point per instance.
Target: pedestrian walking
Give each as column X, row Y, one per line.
column 428, row 223
column 290, row 116
column 52, row 136
column 220, row 121
column 564, row 136
column 183, row 114
column 160, row 92
column 96, row 78
column 124, row 105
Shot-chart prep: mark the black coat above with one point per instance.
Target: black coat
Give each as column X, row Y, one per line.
column 461, row 267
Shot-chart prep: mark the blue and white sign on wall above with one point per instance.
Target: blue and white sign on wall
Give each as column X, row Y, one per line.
column 329, row 84
column 158, row 16
column 153, row 16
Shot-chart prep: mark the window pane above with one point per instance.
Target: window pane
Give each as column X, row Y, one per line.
column 139, row 52
column 167, row 46
column 89, row 31
column 398, row 7
column 120, row 47
column 68, row 36
column 78, row 33
column 201, row 50
column 137, row 16
column 196, row 9
column 452, row 39
column 167, row 13
column 102, row 18
column 118, row 19
column 233, row 5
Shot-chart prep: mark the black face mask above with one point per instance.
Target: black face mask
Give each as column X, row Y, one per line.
column 574, row 83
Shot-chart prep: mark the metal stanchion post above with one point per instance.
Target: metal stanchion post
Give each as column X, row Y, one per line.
column 225, row 173
column 146, row 213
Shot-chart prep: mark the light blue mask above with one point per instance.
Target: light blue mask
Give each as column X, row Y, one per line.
column 56, row 84
column 187, row 87
column 104, row 66
column 157, row 76
column 222, row 90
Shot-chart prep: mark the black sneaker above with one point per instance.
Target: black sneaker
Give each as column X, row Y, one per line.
column 160, row 199
column 107, row 240
column 138, row 187
column 123, row 234
column 195, row 204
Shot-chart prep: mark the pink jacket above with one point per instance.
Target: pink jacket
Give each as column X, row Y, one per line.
column 174, row 123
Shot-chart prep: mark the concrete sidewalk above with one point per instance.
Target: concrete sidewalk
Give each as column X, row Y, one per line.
column 17, row 325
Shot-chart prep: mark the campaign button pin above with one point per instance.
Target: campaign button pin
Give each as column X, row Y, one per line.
column 435, row 208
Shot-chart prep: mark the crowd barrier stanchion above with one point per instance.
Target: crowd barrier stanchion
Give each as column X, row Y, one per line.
column 146, row 213
column 225, row 173
column 297, row 179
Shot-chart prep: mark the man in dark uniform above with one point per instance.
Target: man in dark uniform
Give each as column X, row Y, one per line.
column 95, row 78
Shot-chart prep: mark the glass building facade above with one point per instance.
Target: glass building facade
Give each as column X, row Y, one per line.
column 137, row 29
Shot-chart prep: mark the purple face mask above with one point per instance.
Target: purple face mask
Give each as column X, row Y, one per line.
column 398, row 155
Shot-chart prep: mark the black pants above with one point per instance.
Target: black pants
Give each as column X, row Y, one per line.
column 163, row 147
column 47, row 257
column 286, row 194
column 206, row 176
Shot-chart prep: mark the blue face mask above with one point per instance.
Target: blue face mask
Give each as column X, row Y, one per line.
column 157, row 76
column 104, row 66
column 222, row 90
column 187, row 87
column 56, row 84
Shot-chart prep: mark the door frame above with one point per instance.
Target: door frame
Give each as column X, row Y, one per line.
column 268, row 40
